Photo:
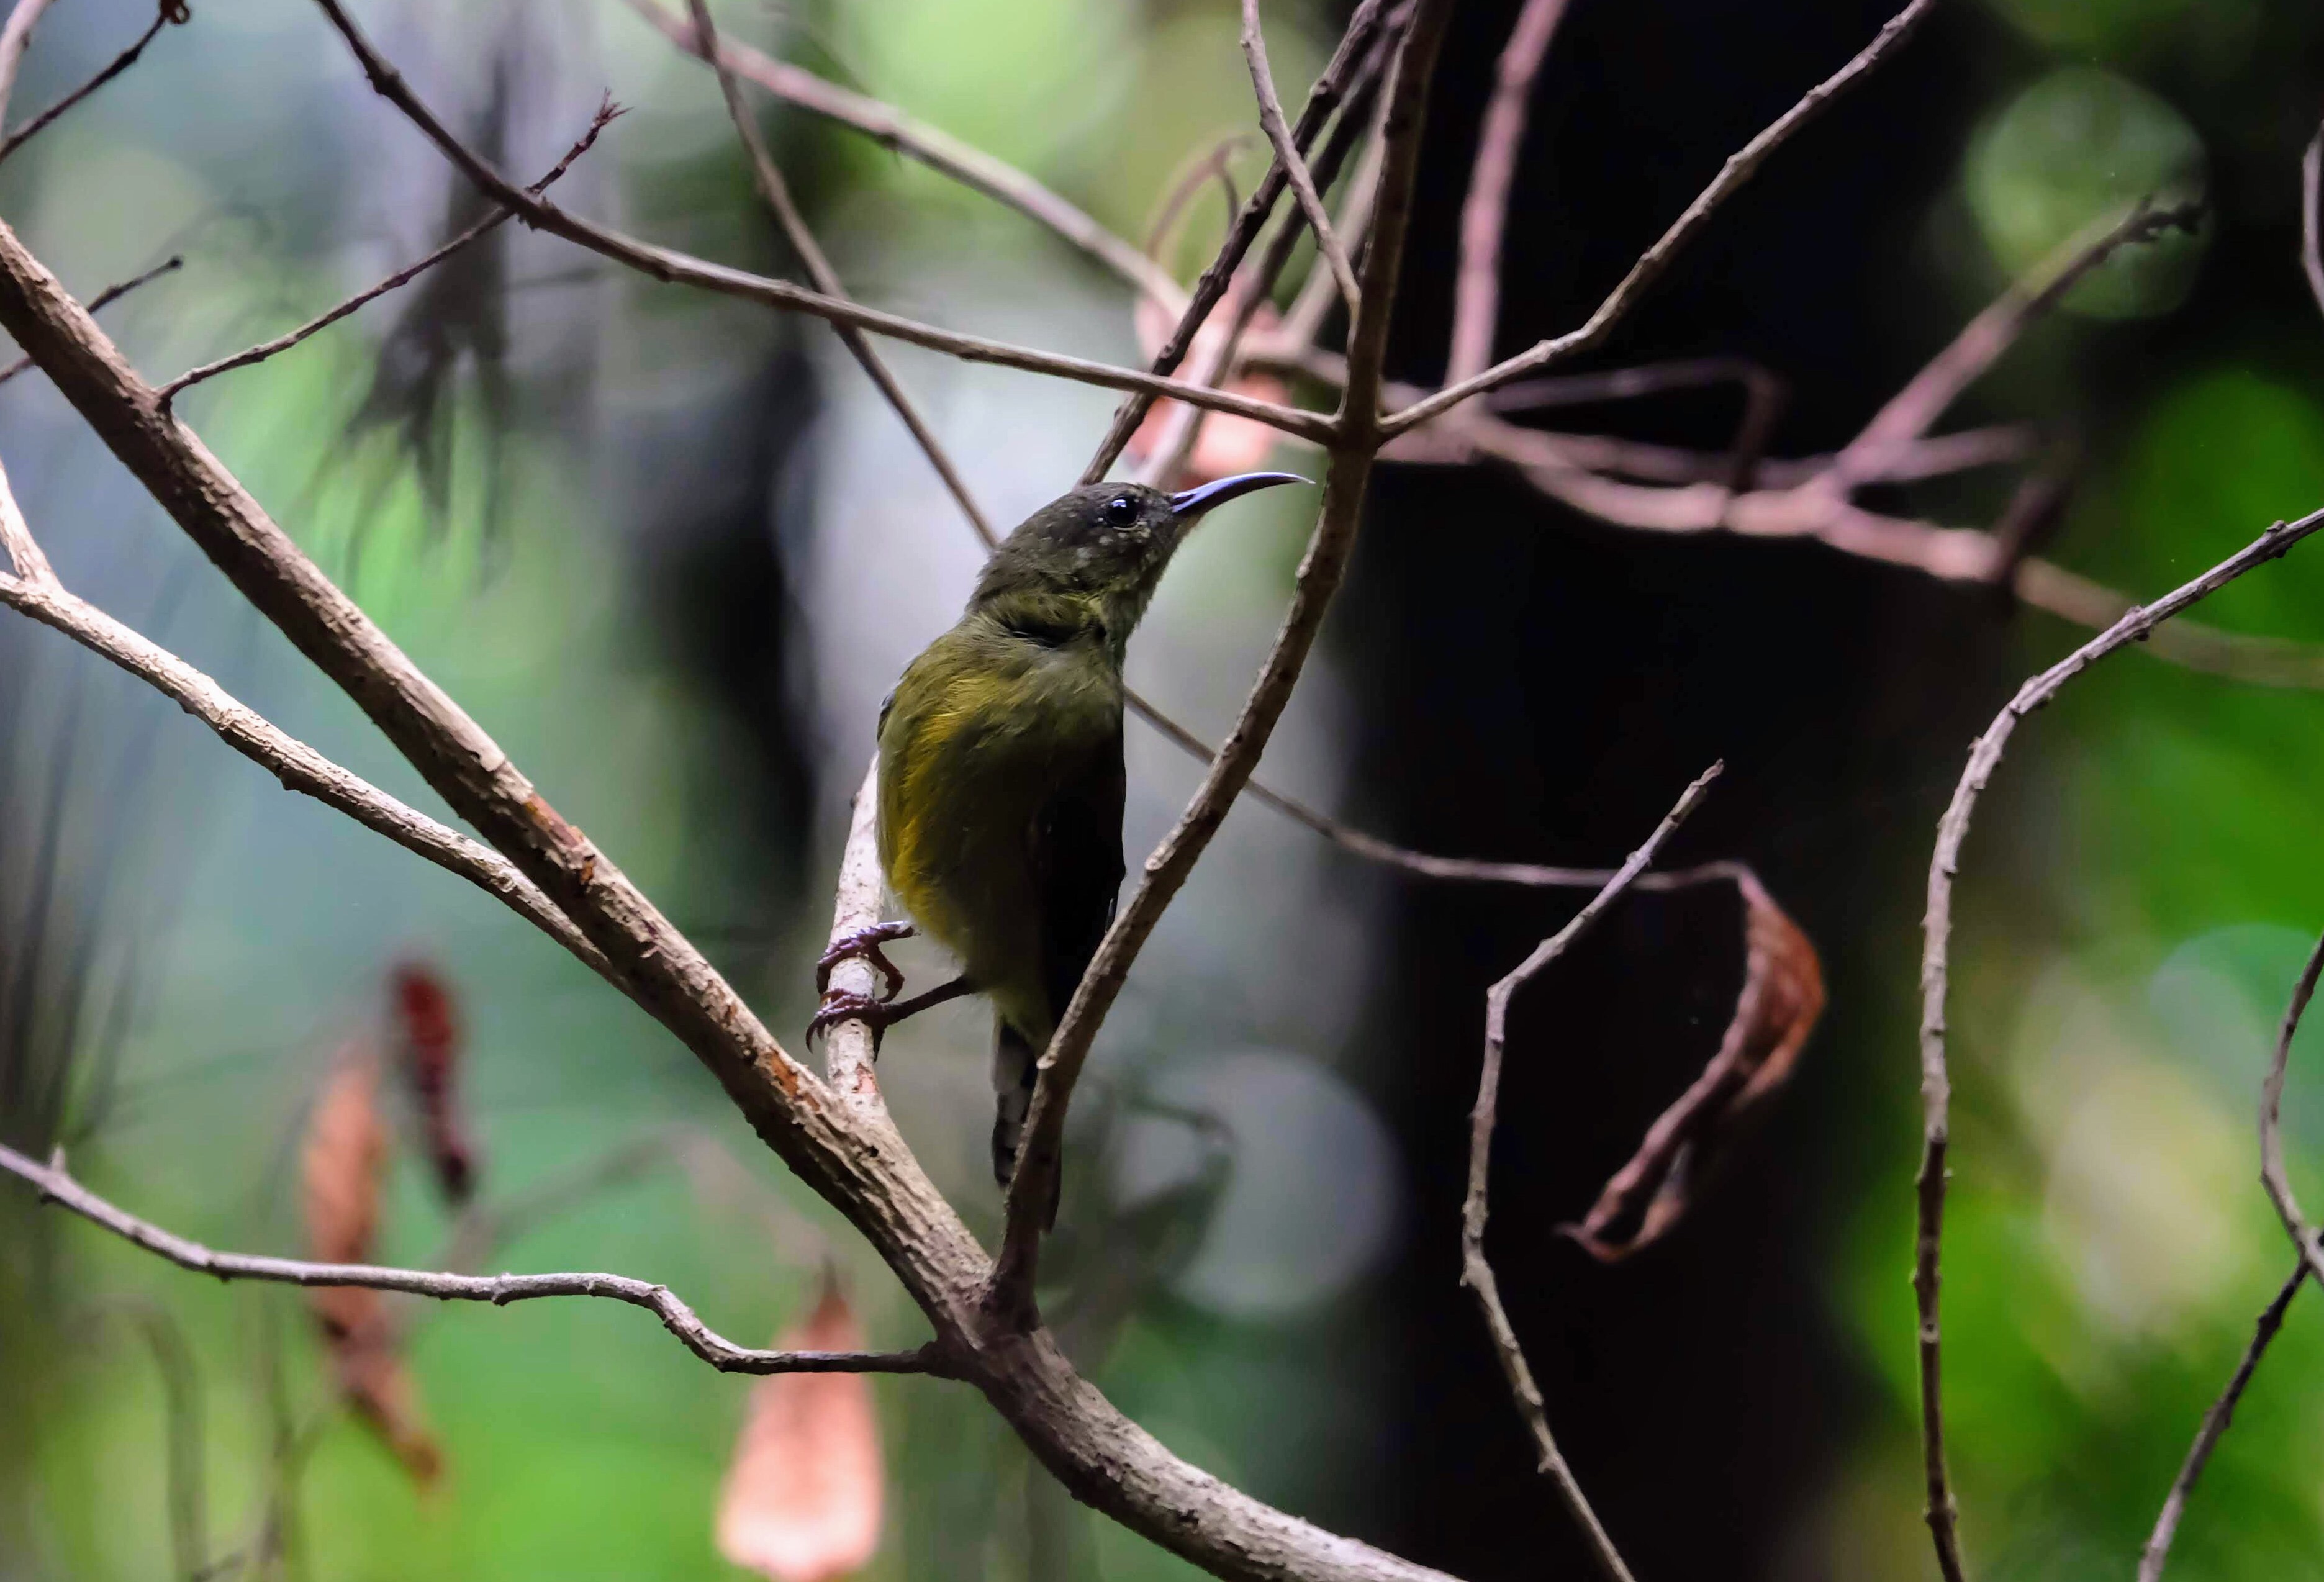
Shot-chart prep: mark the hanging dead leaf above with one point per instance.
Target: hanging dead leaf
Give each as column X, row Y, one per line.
column 802, row 1498
column 427, row 1043
column 1783, row 996
column 342, row 1166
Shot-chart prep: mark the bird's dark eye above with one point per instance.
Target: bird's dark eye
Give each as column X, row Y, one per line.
column 1121, row 511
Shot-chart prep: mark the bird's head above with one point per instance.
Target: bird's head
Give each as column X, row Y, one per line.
column 1095, row 555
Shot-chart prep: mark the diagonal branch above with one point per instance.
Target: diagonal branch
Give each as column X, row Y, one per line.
column 167, row 12
column 1477, row 289
column 16, row 37
column 939, row 151
column 103, row 300
column 1476, row 1270
column 606, row 111
column 1936, row 928
column 1320, row 570
column 672, row 267
column 1287, row 155
column 1739, row 167
column 777, row 194
column 298, row 766
column 57, row 1187
column 2215, row 1426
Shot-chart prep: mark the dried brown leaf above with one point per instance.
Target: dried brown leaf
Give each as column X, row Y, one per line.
column 802, row 1499
column 1783, row 996
column 426, row 1026
column 343, row 1165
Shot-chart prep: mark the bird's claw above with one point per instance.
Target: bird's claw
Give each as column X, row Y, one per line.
column 843, row 1004
column 863, row 944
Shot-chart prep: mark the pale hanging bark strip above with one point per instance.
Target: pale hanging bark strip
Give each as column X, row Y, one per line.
column 1355, row 445
column 1484, row 213
column 1475, row 1269
column 15, row 35
column 1739, row 167
column 1936, row 1085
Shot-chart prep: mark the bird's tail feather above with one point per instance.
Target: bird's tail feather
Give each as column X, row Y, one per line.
column 1015, row 1065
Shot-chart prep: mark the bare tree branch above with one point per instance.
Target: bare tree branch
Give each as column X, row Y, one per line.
column 891, row 128
column 1936, row 928
column 1477, row 287
column 1476, row 1270
column 672, row 267
column 1356, row 441
column 1287, row 155
column 2311, row 193
column 1739, row 167
column 1912, row 410
column 168, row 393
column 167, row 11
column 777, row 194
column 1355, row 47
column 2215, row 1424
column 57, row 1187
column 101, row 301
column 2272, row 1173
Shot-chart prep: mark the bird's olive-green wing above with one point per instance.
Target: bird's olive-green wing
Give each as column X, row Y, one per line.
column 1077, row 867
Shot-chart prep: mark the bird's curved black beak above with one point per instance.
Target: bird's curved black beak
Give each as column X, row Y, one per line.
column 1192, row 503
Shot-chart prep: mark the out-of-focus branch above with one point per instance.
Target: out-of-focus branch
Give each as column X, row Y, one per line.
column 167, row 11
column 101, row 301
column 777, row 194
column 1936, row 928
column 606, row 111
column 16, row 37
column 672, row 267
column 1356, row 442
column 891, row 128
column 1484, row 213
column 2272, row 1173
column 1739, row 167
column 1475, row 1269
column 1287, row 155
column 2311, row 232
column 1924, row 399
column 57, row 1187
column 2215, row 1424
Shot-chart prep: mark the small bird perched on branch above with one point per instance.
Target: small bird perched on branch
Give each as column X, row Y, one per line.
column 1000, row 776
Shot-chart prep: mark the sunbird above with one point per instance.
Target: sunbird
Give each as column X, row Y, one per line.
column 1002, row 779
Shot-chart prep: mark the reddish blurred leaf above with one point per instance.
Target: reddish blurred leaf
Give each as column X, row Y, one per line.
column 802, row 1498
column 342, row 1165
column 1227, row 445
column 428, row 1045
column 1783, row 995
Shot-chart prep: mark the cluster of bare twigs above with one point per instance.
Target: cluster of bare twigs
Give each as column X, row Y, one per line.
column 1362, row 117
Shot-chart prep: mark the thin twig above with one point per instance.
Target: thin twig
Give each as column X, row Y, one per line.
column 1321, row 98
column 672, row 267
column 777, row 194
column 1739, row 169
column 1303, row 321
column 606, row 111
column 15, row 35
column 57, row 1187
column 1476, row 1270
column 299, row 766
column 102, row 300
column 1936, row 928
column 2215, row 1424
column 891, row 128
column 167, row 11
column 1356, row 442
column 1484, row 213
column 2272, row 1173
column 1287, row 155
